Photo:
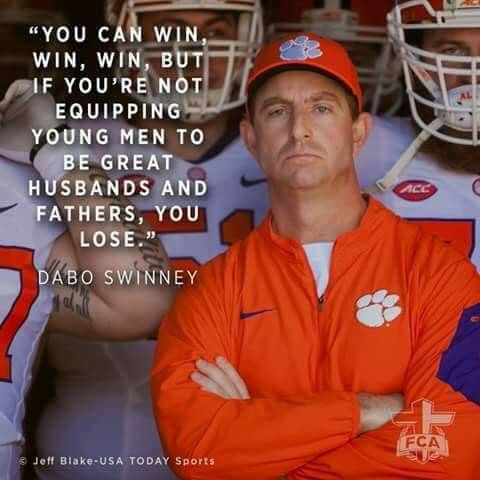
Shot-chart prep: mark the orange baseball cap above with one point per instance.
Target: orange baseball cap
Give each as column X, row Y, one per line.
column 307, row 51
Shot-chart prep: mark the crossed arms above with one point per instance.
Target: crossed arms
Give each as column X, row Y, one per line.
column 317, row 435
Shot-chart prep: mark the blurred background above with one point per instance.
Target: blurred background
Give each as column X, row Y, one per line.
column 358, row 24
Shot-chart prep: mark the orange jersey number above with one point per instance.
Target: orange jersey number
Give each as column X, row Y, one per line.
column 459, row 233
column 20, row 260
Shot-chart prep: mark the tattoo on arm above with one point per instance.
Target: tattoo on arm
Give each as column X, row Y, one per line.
column 77, row 295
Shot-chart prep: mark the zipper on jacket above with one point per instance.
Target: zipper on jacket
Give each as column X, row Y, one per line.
column 321, row 301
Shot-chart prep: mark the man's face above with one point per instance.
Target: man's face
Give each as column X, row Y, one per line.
column 212, row 25
column 303, row 131
column 456, row 41
column 459, row 42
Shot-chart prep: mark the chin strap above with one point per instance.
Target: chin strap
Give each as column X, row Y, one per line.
column 390, row 178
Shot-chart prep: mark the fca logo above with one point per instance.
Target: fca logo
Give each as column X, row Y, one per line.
column 422, row 438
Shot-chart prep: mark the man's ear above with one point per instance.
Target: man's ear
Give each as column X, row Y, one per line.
column 248, row 135
column 361, row 130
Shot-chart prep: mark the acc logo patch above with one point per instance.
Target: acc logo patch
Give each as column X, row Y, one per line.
column 415, row 190
column 196, row 173
column 137, row 180
column 301, row 48
column 476, row 186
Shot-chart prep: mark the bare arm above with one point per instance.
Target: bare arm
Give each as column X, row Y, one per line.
column 105, row 308
column 114, row 311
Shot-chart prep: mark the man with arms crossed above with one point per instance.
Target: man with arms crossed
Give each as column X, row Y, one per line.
column 332, row 296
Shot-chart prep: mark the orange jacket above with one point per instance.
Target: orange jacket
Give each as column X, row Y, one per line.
column 401, row 314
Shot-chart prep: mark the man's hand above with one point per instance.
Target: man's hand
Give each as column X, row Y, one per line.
column 22, row 110
column 221, row 379
column 377, row 410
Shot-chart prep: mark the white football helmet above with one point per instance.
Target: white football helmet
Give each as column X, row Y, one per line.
column 367, row 44
column 16, row 45
column 457, row 108
column 238, row 54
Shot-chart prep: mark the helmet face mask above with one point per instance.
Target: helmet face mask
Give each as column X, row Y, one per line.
column 367, row 44
column 441, row 74
column 233, row 32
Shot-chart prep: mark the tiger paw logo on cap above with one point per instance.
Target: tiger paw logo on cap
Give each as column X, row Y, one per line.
column 300, row 48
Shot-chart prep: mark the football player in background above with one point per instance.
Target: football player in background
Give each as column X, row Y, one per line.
column 31, row 248
column 427, row 168
column 360, row 26
column 111, row 381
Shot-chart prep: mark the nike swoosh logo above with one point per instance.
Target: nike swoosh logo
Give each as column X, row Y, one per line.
column 250, row 183
column 6, row 209
column 245, row 315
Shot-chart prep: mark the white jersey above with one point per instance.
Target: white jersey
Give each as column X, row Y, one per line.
column 102, row 407
column 445, row 202
column 24, row 306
